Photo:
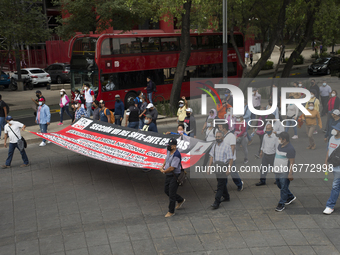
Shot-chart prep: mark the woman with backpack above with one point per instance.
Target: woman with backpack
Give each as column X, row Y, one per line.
column 64, row 106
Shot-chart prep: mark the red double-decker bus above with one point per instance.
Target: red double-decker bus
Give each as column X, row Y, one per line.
column 119, row 63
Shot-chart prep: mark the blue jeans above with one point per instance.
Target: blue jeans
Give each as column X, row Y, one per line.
column 89, row 109
column 290, row 123
column 118, row 122
column 150, row 97
column 43, row 129
column 2, row 123
column 133, row 125
column 236, row 177
column 11, row 149
column 335, row 191
column 65, row 108
column 282, row 183
column 141, row 123
column 248, row 136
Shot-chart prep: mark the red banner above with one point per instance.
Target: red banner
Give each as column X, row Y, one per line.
column 124, row 146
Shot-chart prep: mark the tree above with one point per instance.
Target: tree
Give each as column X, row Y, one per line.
column 21, row 23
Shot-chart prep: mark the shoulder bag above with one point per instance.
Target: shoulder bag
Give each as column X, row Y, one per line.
column 22, row 144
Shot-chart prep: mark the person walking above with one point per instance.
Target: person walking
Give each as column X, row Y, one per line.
column 149, row 125
column 12, row 130
column 292, row 114
column 334, row 143
column 256, row 99
column 132, row 115
column 150, row 109
column 190, row 123
column 150, row 88
column 314, row 100
column 251, row 58
column 333, row 121
column 142, row 111
column 241, row 137
column 43, row 118
column 172, row 169
column 181, row 112
column 228, row 97
column 79, row 111
column 96, row 110
column 333, row 103
column 325, row 92
column 89, row 98
column 39, row 95
column 104, row 113
column 212, row 115
column 3, row 114
column 311, row 124
column 64, row 106
column 138, row 99
column 221, row 156
column 315, row 87
column 210, row 132
column 283, row 169
column 268, row 151
column 119, row 110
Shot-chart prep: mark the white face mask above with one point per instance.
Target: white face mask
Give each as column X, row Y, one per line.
column 300, row 85
column 181, row 105
column 334, row 132
column 61, row 93
column 180, row 131
column 40, row 103
column 238, row 119
column 208, row 124
column 324, row 84
column 77, row 105
column 311, row 107
column 312, row 95
column 333, row 94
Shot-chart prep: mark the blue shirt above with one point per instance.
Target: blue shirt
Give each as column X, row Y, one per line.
column 119, row 108
column 80, row 113
column 247, row 114
column 102, row 116
column 173, row 160
column 282, row 156
column 151, row 127
column 45, row 114
column 138, row 102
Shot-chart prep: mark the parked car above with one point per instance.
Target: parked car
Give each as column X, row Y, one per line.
column 324, row 66
column 5, row 80
column 59, row 72
column 38, row 76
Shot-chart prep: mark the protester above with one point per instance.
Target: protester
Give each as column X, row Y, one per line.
column 228, row 97
column 220, row 155
column 190, row 123
column 172, row 168
column 138, row 99
column 232, row 119
column 64, row 106
column 119, row 110
column 12, row 130
column 222, row 109
column 78, row 96
column 314, row 100
column 256, row 99
column 277, row 126
column 104, row 113
column 96, row 110
column 241, row 137
column 333, row 103
column 150, row 88
column 316, row 88
column 311, row 124
column 181, row 112
column 325, row 92
column 89, row 98
column 212, row 115
column 132, row 115
column 210, row 132
column 79, row 111
column 39, row 95
column 43, row 118
column 292, row 114
column 283, row 169
column 180, row 131
column 142, row 111
column 150, row 109
column 149, row 125
column 3, row 114
column 333, row 121
column 261, row 123
column 268, row 151
column 334, row 143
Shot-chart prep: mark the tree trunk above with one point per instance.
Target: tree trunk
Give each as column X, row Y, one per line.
column 183, row 57
column 303, row 42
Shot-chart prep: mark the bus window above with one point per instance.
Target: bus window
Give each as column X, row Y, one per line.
column 170, row 43
column 109, row 82
column 205, row 42
column 150, row 44
column 129, row 45
column 79, row 78
column 115, row 46
column 105, row 49
column 217, row 41
column 232, row 68
column 193, row 42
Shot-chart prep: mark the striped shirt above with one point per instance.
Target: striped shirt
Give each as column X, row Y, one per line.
column 223, row 152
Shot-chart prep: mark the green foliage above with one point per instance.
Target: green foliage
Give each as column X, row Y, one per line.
column 299, row 60
column 324, row 55
column 338, row 52
column 268, row 65
column 314, row 56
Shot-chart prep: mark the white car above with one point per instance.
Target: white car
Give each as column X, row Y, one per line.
column 38, row 76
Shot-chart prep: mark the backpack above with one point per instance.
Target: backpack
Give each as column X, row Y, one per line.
column 334, row 158
column 6, row 105
column 112, row 116
column 154, row 87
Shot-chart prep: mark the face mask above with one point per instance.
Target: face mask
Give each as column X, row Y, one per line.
column 142, row 94
column 333, row 95
column 117, row 100
column 208, row 124
column 61, row 93
column 168, row 147
column 77, row 105
column 311, row 107
column 226, row 95
column 219, row 140
column 180, row 132
column 300, row 85
column 181, row 105
column 40, row 103
column 280, row 142
column 238, row 119
column 37, row 96
column 312, row 95
column 268, row 132
column 188, row 114
column 324, row 84
column 146, row 121
column 334, row 132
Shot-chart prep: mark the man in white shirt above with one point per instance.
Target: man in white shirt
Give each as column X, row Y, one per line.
column 268, row 150
column 12, row 130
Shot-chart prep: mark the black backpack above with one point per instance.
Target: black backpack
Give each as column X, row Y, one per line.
column 334, row 158
column 6, row 105
column 154, row 87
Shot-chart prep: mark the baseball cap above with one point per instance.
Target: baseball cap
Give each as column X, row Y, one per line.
column 63, row 90
column 189, row 110
column 336, row 112
column 148, row 116
column 180, row 101
column 38, row 91
column 9, row 117
column 150, row 105
column 172, row 141
column 102, row 101
column 116, row 96
column 337, row 126
column 41, row 99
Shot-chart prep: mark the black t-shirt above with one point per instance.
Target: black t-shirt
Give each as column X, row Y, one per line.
column 2, row 105
column 133, row 112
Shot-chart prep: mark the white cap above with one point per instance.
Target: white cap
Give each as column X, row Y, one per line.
column 117, row 96
column 63, row 90
column 189, row 110
column 336, row 112
column 180, row 101
column 149, row 106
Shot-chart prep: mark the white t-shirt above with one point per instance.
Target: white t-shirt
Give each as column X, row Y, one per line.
column 332, row 145
column 230, row 139
column 210, row 134
column 15, row 126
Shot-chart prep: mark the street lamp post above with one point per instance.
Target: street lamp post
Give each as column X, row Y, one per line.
column 225, row 43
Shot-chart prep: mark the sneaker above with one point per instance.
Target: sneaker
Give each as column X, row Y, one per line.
column 180, row 204
column 308, row 148
column 25, row 165
column 328, row 210
column 5, row 166
column 223, row 199
column 146, row 170
column 315, row 132
column 257, row 156
column 60, row 123
column 280, row 208
column 295, row 137
column 325, row 130
column 48, row 141
column 260, row 183
column 313, row 147
column 215, row 206
column 245, row 162
column 240, row 188
column 169, row 214
column 42, row 144
column 289, row 201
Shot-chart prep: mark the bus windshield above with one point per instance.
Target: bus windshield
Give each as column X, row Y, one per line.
column 81, row 77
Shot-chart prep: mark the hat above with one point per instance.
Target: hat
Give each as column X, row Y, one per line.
column 149, row 106
column 38, row 91
column 63, row 90
column 116, row 96
column 77, row 101
column 148, row 116
column 102, row 101
column 9, row 117
column 172, row 141
column 181, row 101
column 189, row 110
column 336, row 112
column 337, row 126
column 41, row 99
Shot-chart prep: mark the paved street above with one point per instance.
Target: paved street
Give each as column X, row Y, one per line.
column 65, row 203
